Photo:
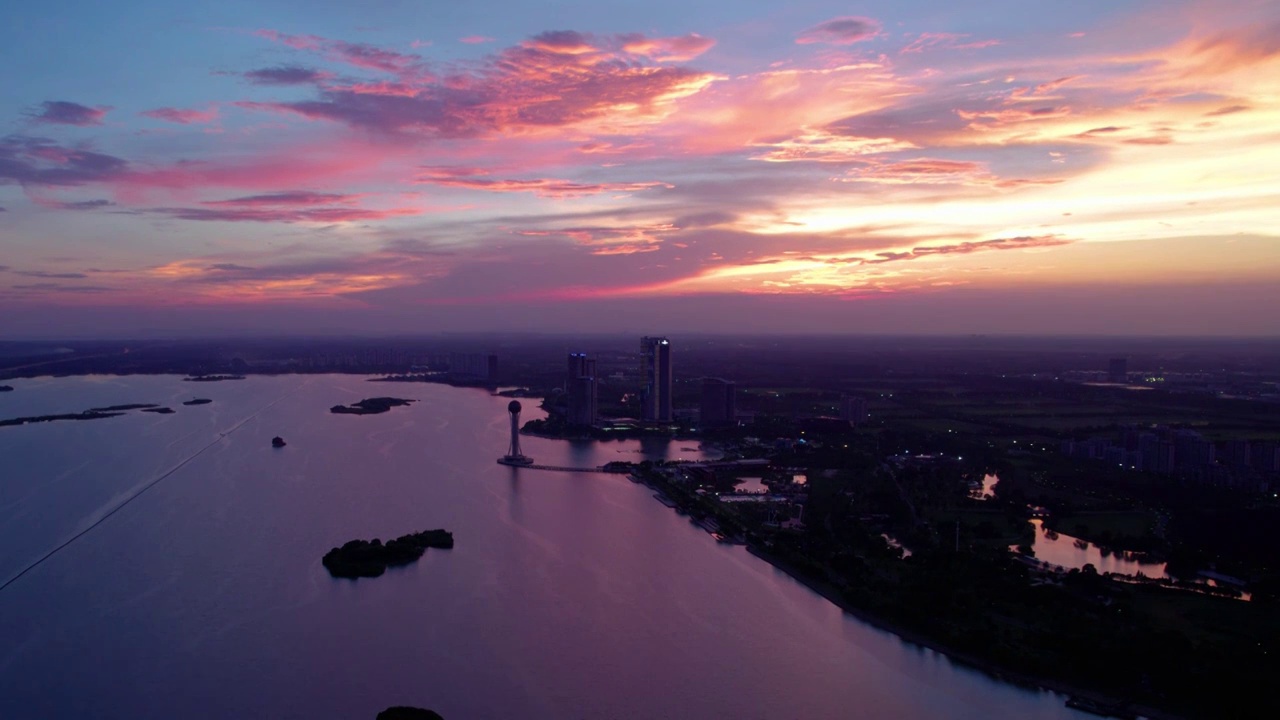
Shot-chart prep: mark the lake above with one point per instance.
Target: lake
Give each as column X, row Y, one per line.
column 566, row 595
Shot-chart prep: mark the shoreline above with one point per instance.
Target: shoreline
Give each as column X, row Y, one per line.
column 987, row 667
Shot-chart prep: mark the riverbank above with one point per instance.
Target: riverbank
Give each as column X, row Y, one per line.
column 683, row 501
column 987, row 667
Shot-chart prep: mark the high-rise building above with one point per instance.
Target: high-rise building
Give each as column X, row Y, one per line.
column 580, row 390
column 718, row 402
column 1118, row 370
column 655, row 398
column 853, row 409
column 473, row 367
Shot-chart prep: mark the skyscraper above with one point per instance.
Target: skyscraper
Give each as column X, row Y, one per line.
column 1118, row 370
column 718, row 402
column 580, row 389
column 655, row 399
column 853, row 409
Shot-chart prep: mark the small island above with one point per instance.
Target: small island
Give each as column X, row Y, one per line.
column 159, row 410
column 404, row 712
column 6, row 388
column 122, row 408
column 370, row 406
column 277, row 442
column 370, row 558
column 212, row 378
column 87, row 415
column 197, row 401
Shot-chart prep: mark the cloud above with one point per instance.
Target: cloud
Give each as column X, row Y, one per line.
column 554, row 79
column 60, row 288
column 1228, row 110
column 671, row 49
column 77, row 205
column 475, row 179
column 840, row 31
column 825, row 146
column 361, row 55
column 475, row 39
column 33, row 161
column 295, row 206
column 61, row 112
column 51, row 275
column 187, row 116
column 1014, row 243
column 1235, row 48
column 285, row 75
column 291, row 198
column 612, row 240
column 944, row 41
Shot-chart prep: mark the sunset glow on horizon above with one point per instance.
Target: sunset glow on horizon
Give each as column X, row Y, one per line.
column 394, row 168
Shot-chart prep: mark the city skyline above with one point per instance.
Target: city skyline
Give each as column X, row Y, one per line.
column 1103, row 168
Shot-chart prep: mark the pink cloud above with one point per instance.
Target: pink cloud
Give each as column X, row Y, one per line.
column 285, row 214
column 933, row 171
column 294, row 198
column 671, row 49
column 62, row 112
column 945, row 41
column 361, row 55
column 840, row 31
column 474, row 179
column 183, row 116
column 475, row 39
column 612, row 240
column 553, row 79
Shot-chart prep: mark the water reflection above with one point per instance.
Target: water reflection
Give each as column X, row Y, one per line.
column 1073, row 553
column 985, row 491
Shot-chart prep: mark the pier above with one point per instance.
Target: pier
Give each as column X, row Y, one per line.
column 624, row 469
column 563, row 468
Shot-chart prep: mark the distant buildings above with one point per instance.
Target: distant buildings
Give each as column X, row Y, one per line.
column 1118, row 370
column 580, row 389
column 1185, row 453
column 655, row 398
column 473, row 367
column 719, row 406
column 853, row 409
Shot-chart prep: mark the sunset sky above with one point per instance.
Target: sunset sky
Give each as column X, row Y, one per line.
column 903, row 166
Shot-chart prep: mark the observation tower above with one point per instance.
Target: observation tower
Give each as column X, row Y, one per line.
column 514, row 456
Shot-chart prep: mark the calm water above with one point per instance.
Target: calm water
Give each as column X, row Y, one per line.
column 567, row 596
column 1063, row 551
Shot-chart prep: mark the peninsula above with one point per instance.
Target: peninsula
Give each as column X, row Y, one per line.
column 370, row 558
column 370, row 406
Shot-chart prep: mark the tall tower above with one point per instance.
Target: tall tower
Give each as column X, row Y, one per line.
column 718, row 402
column 580, row 390
column 514, row 456
column 655, row 400
column 1118, row 370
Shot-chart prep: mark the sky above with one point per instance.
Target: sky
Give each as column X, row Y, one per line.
column 413, row 166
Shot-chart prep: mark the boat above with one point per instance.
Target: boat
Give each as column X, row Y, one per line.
column 277, row 442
